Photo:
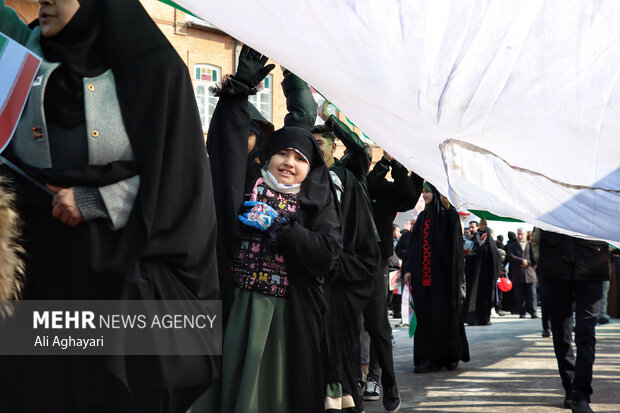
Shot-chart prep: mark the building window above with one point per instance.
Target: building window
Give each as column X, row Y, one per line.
column 262, row 100
column 204, row 77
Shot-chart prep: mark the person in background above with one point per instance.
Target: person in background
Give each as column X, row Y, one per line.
column 482, row 268
column 572, row 270
column 435, row 270
column 603, row 317
column 395, row 265
column 500, row 242
column 508, row 298
column 546, row 323
column 522, row 274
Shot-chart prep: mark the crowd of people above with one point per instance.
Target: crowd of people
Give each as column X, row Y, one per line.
column 296, row 243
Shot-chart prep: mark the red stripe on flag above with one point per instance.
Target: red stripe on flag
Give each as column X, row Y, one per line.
column 12, row 111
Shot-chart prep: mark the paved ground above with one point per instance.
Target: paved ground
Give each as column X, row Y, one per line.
column 512, row 369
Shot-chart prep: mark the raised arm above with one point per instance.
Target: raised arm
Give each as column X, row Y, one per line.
column 12, row 25
column 357, row 160
column 299, row 102
column 227, row 140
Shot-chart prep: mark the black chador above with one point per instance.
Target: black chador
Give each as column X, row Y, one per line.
column 481, row 272
column 436, row 267
column 166, row 248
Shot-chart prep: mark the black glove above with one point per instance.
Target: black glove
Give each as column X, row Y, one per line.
column 251, row 69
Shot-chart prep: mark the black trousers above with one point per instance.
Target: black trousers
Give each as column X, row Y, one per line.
column 378, row 327
column 525, row 292
column 558, row 296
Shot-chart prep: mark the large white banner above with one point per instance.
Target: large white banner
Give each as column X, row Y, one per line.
column 510, row 106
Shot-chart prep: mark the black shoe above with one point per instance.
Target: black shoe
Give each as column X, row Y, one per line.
column 425, row 367
column 581, row 406
column 534, row 316
column 546, row 333
column 568, row 401
column 452, row 366
column 391, row 399
column 522, row 316
column 603, row 320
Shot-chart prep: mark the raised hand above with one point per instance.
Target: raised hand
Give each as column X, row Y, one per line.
column 251, row 69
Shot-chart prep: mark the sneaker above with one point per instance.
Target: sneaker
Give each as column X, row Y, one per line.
column 360, row 387
column 546, row 333
column 372, row 392
column 391, row 400
column 581, row 406
column 603, row 320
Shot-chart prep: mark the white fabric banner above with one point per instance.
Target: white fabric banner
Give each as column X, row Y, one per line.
column 510, row 106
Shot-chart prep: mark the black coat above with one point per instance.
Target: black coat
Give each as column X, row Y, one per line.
column 481, row 271
column 349, row 285
column 563, row 257
column 515, row 254
column 403, row 247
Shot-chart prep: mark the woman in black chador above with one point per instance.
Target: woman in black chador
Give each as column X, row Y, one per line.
column 112, row 128
column 482, row 266
column 435, row 270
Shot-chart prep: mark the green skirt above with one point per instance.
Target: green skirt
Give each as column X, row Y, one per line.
column 253, row 362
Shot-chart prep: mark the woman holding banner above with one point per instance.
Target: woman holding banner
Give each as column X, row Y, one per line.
column 112, row 129
column 435, row 271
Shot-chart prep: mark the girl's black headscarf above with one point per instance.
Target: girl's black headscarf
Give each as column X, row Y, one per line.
column 291, row 137
column 79, row 50
column 317, row 189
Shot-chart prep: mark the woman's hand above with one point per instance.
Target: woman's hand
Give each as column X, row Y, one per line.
column 64, row 206
column 445, row 202
column 323, row 113
column 407, row 277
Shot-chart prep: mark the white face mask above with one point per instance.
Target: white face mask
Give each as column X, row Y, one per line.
column 274, row 185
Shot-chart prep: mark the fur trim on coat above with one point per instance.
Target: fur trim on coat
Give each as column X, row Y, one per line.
column 11, row 263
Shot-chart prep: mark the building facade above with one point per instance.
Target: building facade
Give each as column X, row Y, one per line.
column 209, row 54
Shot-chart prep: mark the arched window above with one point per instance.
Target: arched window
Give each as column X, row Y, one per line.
column 262, row 100
column 204, row 77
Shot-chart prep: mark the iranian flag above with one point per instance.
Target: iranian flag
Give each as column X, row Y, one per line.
column 18, row 67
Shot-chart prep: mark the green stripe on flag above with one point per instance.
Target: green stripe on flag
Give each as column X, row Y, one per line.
column 345, row 116
column 3, row 43
column 492, row 217
column 176, row 6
